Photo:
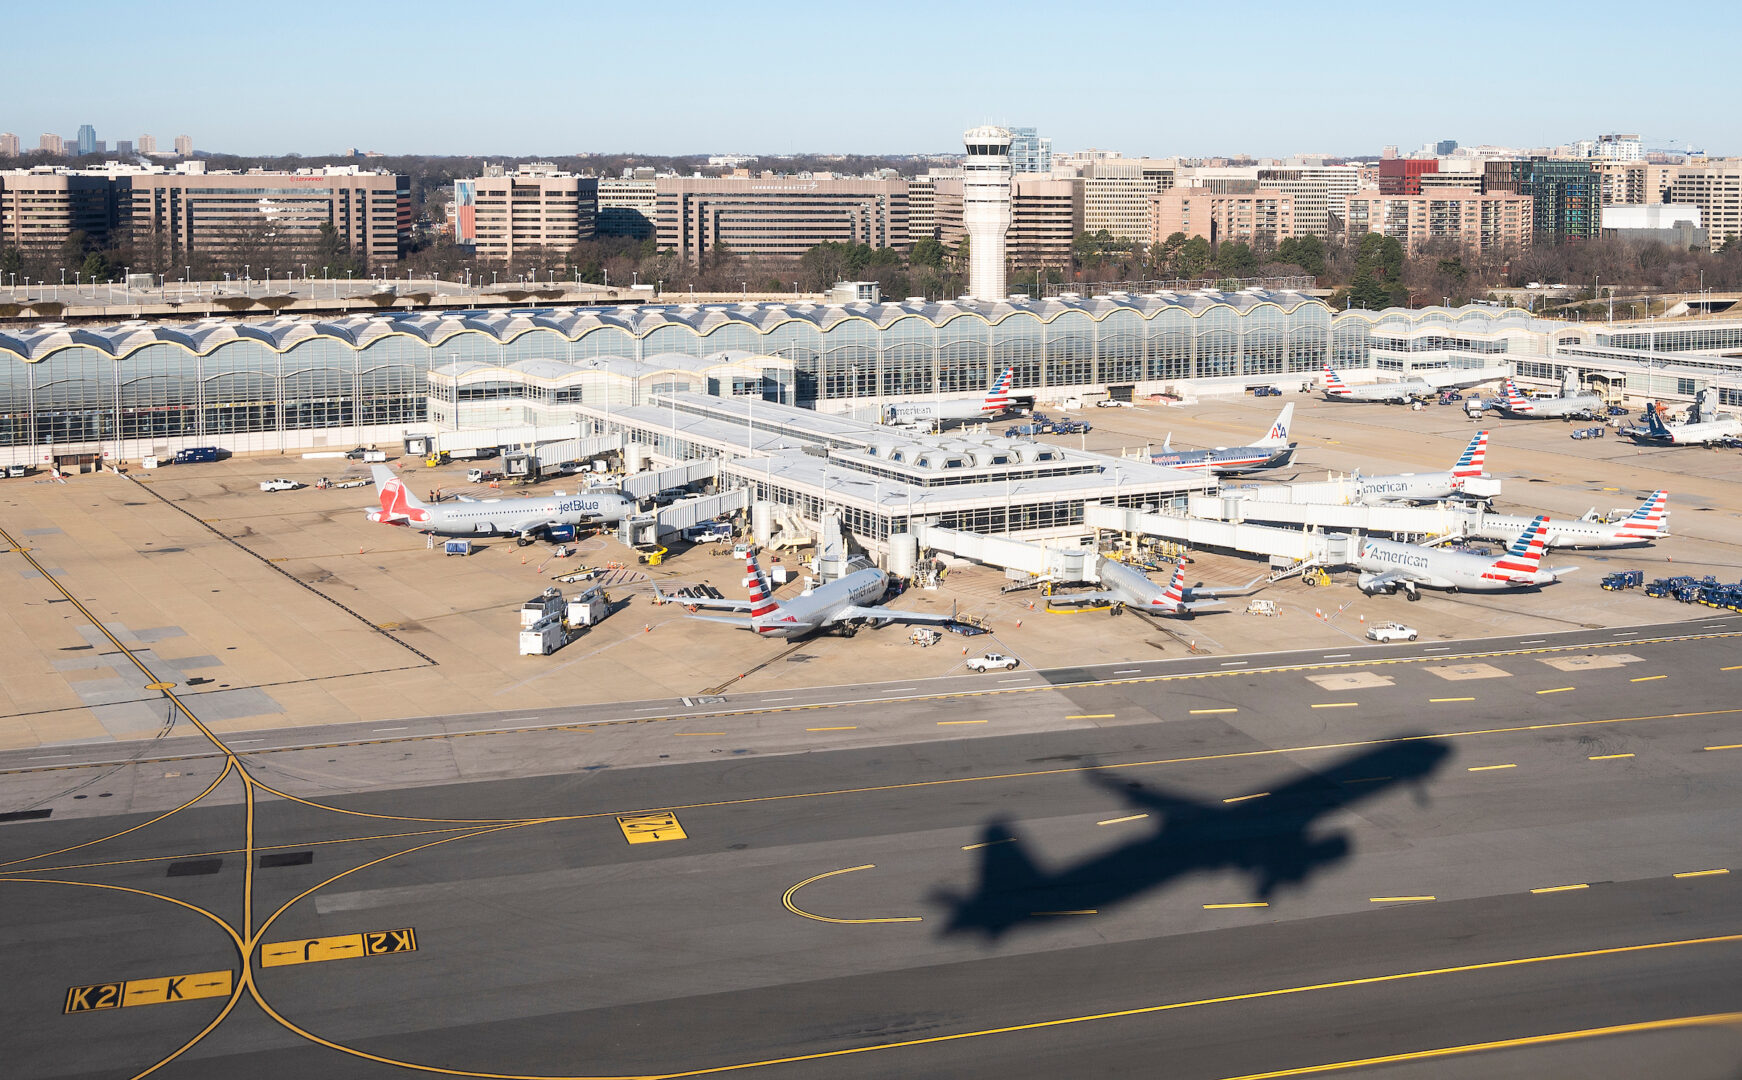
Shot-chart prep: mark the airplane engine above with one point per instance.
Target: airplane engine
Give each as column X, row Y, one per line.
column 1371, row 585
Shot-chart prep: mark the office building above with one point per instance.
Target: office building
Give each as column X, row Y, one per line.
column 1716, row 188
column 52, row 144
column 184, row 145
column 1566, row 197
column 8, row 144
column 1116, row 193
column 1436, row 182
column 534, row 212
column 1444, row 147
column 1674, row 224
column 628, row 208
column 148, row 144
column 777, row 217
column 1263, row 216
column 934, row 207
column 986, row 208
column 1029, row 153
column 1478, row 224
column 1402, row 176
column 41, row 208
column 1046, row 214
column 1320, row 192
column 124, row 146
column 86, row 140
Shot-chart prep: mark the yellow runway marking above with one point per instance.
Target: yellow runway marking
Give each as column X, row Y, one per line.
column 786, row 901
column 1648, row 678
column 1121, row 820
column 1209, row 712
column 1397, row 899
column 1438, row 700
column 1084, row 911
column 1557, row 690
column 1727, row 746
column 1091, row 716
column 1560, row 888
column 1490, row 768
column 204, row 984
column 343, row 947
column 958, row 723
column 1336, row 705
column 650, row 828
column 1608, row 757
column 1224, row 907
column 1712, row 1020
column 160, row 686
column 1243, row 798
column 1733, row 667
column 685, row 734
column 1702, row 873
column 854, row 727
column 989, row 843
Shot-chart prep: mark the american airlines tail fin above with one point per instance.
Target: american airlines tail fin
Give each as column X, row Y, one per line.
column 1515, row 398
column 1471, row 461
column 1334, row 382
column 762, row 601
column 1648, row 522
column 998, row 397
column 1525, row 554
column 1278, row 436
column 1176, row 588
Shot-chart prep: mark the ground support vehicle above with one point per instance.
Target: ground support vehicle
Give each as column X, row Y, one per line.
column 1390, row 631
column 1623, row 579
column 991, row 662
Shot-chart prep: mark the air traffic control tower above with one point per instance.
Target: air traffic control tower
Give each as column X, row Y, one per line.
column 986, row 209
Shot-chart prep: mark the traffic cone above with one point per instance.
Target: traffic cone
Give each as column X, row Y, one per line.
column 1019, row 624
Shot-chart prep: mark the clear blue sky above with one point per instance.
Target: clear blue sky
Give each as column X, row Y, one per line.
column 678, row 77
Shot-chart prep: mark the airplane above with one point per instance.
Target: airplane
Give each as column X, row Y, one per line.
column 1387, row 566
column 1129, row 587
column 1425, row 487
column 1701, row 433
column 995, row 403
column 1273, row 839
column 1454, row 378
column 522, row 519
column 847, row 603
column 1271, row 452
column 1649, row 522
column 1578, row 405
column 1400, row 393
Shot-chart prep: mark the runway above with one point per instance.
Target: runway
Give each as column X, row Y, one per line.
column 1546, row 844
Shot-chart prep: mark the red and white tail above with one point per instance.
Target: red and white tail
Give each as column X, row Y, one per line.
column 1470, row 462
column 1175, row 596
column 398, row 505
column 1649, row 521
column 762, row 601
column 998, row 397
column 1515, row 398
column 1334, row 383
column 1525, row 554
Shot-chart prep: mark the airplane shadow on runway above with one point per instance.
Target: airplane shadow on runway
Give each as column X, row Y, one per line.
column 1269, row 838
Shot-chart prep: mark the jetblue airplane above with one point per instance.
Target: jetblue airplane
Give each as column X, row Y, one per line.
column 1271, row 452
column 522, row 519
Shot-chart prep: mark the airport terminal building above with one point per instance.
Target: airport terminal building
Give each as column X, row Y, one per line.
column 141, row 388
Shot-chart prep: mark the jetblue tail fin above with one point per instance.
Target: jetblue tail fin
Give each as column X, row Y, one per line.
column 1278, row 435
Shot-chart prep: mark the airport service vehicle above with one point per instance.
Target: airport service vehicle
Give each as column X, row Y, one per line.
column 280, row 484
column 1647, row 523
column 459, row 546
column 476, row 453
column 1577, row 405
column 1658, row 433
column 708, row 532
column 1271, row 452
column 1387, row 566
column 847, row 604
column 1266, row 391
column 523, row 519
column 1390, row 631
column 1396, row 393
column 1262, row 607
column 1115, row 403
column 1073, row 427
column 995, row 403
column 1623, row 579
column 1464, row 479
column 17, row 470
column 1129, row 587
column 1588, row 432
column 991, row 662
column 483, row 476
column 1021, row 430
column 193, row 454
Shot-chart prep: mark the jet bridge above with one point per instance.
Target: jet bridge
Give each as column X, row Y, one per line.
column 681, row 515
column 1433, row 519
column 641, row 485
column 1060, row 564
column 1340, row 491
column 1282, row 546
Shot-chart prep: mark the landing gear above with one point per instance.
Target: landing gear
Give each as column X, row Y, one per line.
column 1413, row 594
column 1118, row 608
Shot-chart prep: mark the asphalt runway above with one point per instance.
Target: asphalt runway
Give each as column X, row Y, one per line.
column 1510, row 858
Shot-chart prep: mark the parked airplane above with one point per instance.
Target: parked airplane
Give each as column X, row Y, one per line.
column 996, row 401
column 1271, row 452
column 1454, row 378
column 1129, row 587
column 1401, row 393
column 1577, row 405
column 522, row 519
column 1425, row 487
column 1387, row 566
column 1649, row 522
column 1276, row 839
column 1699, row 433
column 847, row 602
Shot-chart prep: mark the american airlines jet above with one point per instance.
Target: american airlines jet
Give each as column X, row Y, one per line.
column 1399, row 393
column 1425, row 487
column 1649, row 522
column 522, row 519
column 1387, row 566
column 1271, row 452
column 846, row 603
column 1577, row 405
column 996, row 402
column 1129, row 588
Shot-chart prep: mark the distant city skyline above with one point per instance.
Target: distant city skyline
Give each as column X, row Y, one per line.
column 717, row 79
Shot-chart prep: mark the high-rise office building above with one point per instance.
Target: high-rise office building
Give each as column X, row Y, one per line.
column 1029, row 153
column 124, row 146
column 1320, row 192
column 628, row 207
column 148, row 144
column 184, row 145
column 1716, row 188
column 986, row 208
column 1445, row 146
column 8, row 144
column 777, row 217
column 934, row 207
column 1046, row 214
column 534, row 210
column 1402, row 176
column 87, row 140
column 41, row 208
column 1116, row 194
column 1566, row 196
column 51, row 143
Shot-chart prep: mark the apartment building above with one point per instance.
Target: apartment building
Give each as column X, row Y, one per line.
column 532, row 211
column 1046, row 214
column 1479, row 224
column 1716, row 188
column 778, row 217
column 627, row 208
column 1263, row 215
column 8, row 144
column 52, row 144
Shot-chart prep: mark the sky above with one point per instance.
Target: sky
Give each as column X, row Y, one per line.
column 674, row 77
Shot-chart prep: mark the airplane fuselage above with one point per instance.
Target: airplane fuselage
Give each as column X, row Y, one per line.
column 1440, row 569
column 1408, row 487
column 1577, row 406
column 509, row 517
column 809, row 612
column 1231, row 460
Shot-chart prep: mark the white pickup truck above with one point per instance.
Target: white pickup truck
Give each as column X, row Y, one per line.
column 279, row 484
column 1390, row 631
column 991, row 662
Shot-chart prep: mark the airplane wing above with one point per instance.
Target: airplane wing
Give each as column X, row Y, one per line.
column 887, row 613
column 1202, row 605
column 1100, row 597
column 721, row 604
column 1150, row 799
column 1390, row 578
column 742, row 624
column 1227, row 590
